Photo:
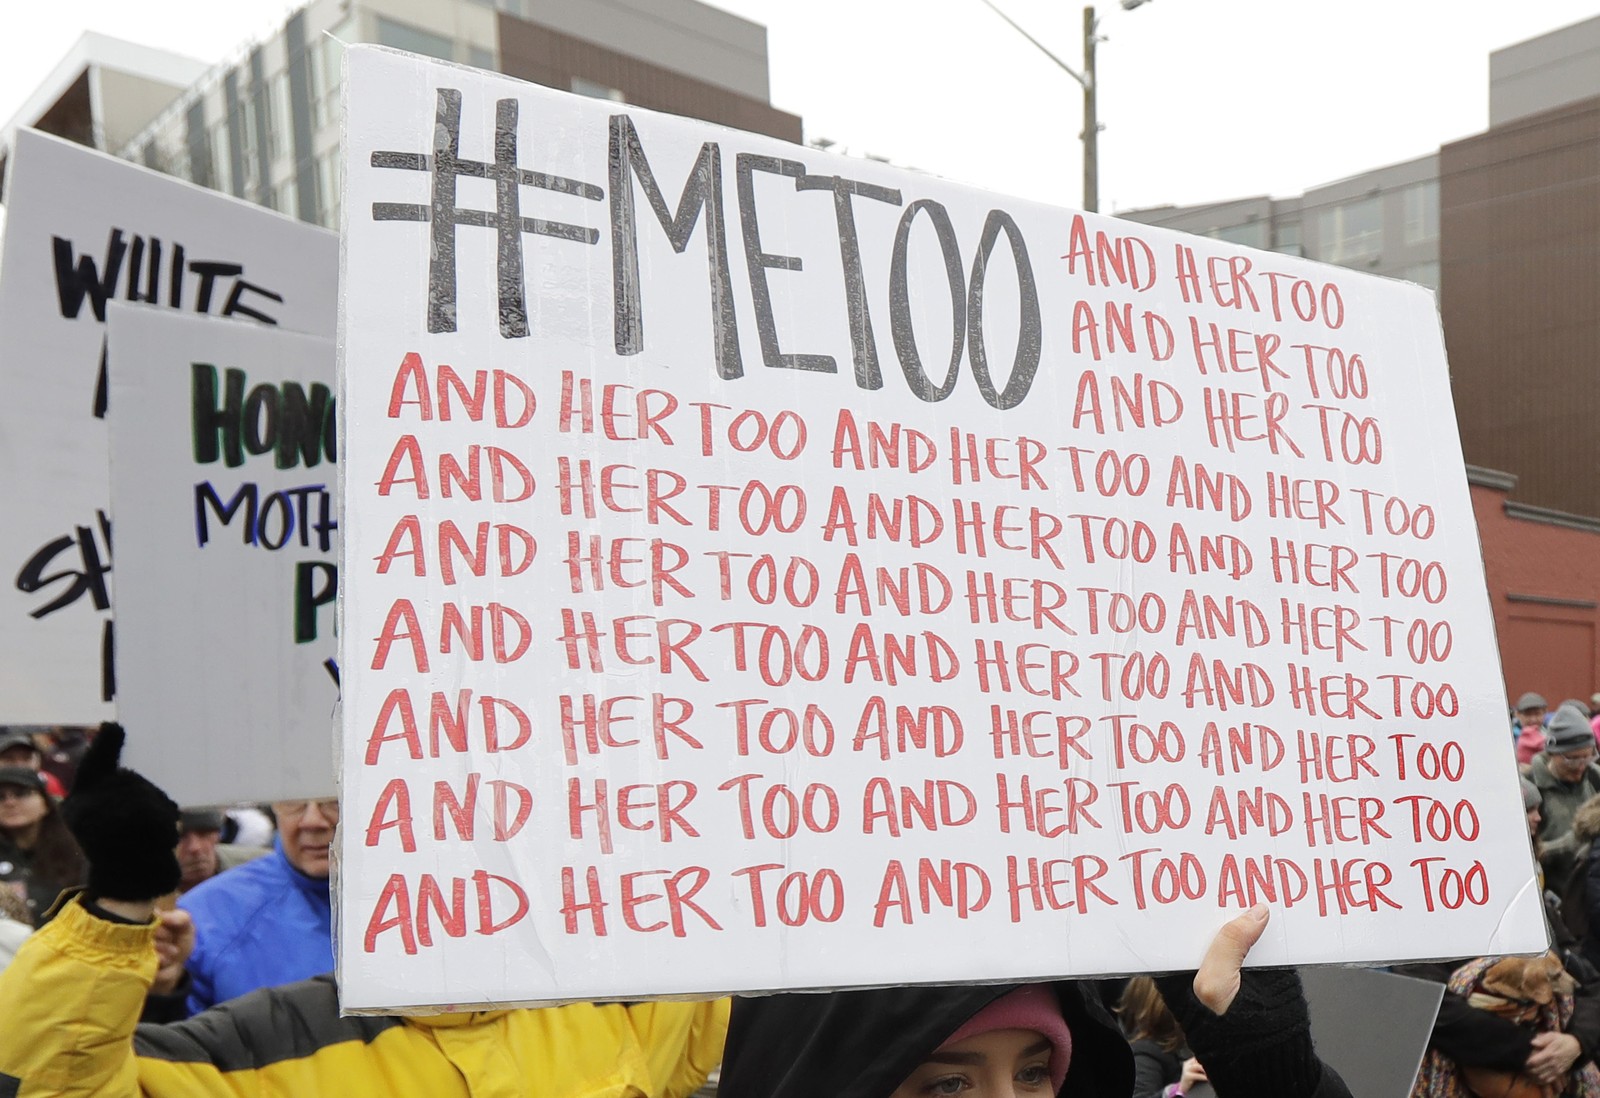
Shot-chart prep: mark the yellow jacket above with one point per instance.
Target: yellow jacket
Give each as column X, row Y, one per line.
column 70, row 1002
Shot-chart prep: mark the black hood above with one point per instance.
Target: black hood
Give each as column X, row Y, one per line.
column 863, row 1044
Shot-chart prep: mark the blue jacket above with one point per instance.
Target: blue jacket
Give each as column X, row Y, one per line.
column 257, row 925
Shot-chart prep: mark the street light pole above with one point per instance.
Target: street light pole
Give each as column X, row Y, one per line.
column 1091, row 118
column 1086, row 79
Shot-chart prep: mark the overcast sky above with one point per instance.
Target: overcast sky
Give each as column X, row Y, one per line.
column 1201, row 99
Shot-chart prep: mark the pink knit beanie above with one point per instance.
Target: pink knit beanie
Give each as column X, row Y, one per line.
column 1032, row 1006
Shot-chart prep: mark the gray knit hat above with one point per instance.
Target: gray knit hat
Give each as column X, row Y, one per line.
column 1568, row 732
column 1531, row 797
column 1530, row 700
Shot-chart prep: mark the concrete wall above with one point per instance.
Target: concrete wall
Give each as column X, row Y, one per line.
column 128, row 103
column 1397, row 256
column 1544, row 73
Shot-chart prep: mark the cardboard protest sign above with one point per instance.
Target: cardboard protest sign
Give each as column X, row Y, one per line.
column 1372, row 1027
column 84, row 229
column 770, row 570
column 222, row 492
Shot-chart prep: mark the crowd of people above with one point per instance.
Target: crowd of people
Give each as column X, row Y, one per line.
column 159, row 959
column 1534, row 1024
column 209, row 956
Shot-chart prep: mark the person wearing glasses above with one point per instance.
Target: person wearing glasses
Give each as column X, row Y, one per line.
column 269, row 921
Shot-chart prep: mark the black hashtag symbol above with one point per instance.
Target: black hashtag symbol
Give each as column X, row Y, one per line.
column 446, row 166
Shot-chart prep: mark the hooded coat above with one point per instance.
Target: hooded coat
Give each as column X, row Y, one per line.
column 1580, row 889
column 864, row 1044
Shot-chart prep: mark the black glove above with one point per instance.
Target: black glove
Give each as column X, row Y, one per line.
column 1262, row 1044
column 126, row 826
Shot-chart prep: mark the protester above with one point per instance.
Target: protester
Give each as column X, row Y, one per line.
column 38, row 857
column 1566, row 776
column 1251, row 1029
column 1162, row 1064
column 72, row 997
column 1579, row 892
column 201, row 852
column 199, row 834
column 1527, row 719
column 63, row 747
column 269, row 921
column 18, row 749
column 1470, row 1038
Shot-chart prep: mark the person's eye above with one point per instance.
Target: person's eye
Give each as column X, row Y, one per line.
column 946, row 1085
column 1035, row 1075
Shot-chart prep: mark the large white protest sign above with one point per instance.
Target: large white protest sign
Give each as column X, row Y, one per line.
column 84, row 229
column 222, row 493
column 770, row 570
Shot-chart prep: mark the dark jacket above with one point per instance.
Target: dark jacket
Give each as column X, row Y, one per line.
column 37, row 882
column 1560, row 800
column 1477, row 1038
column 863, row 1044
column 1155, row 1068
column 1579, row 885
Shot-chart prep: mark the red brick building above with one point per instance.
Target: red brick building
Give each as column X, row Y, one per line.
column 1543, row 570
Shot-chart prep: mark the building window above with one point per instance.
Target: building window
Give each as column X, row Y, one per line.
column 223, row 173
column 1422, row 212
column 1251, row 235
column 272, row 102
column 1286, row 239
column 580, row 86
column 1423, row 274
column 1352, row 232
column 481, row 58
column 518, row 8
column 403, row 36
column 249, row 152
column 285, row 198
column 328, row 166
column 325, row 59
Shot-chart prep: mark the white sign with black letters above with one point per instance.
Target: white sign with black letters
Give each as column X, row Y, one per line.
column 222, row 492
column 84, row 229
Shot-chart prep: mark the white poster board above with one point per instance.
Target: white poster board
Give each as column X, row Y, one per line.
column 223, row 496
column 770, row 570
column 84, row 229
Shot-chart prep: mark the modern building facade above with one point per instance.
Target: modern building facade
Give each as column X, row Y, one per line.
column 1505, row 225
column 264, row 125
column 1385, row 221
column 102, row 93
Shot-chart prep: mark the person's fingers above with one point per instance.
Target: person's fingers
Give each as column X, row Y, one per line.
column 100, row 761
column 176, row 919
column 1216, row 983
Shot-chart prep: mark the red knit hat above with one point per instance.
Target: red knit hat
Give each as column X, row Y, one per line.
column 1032, row 1006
